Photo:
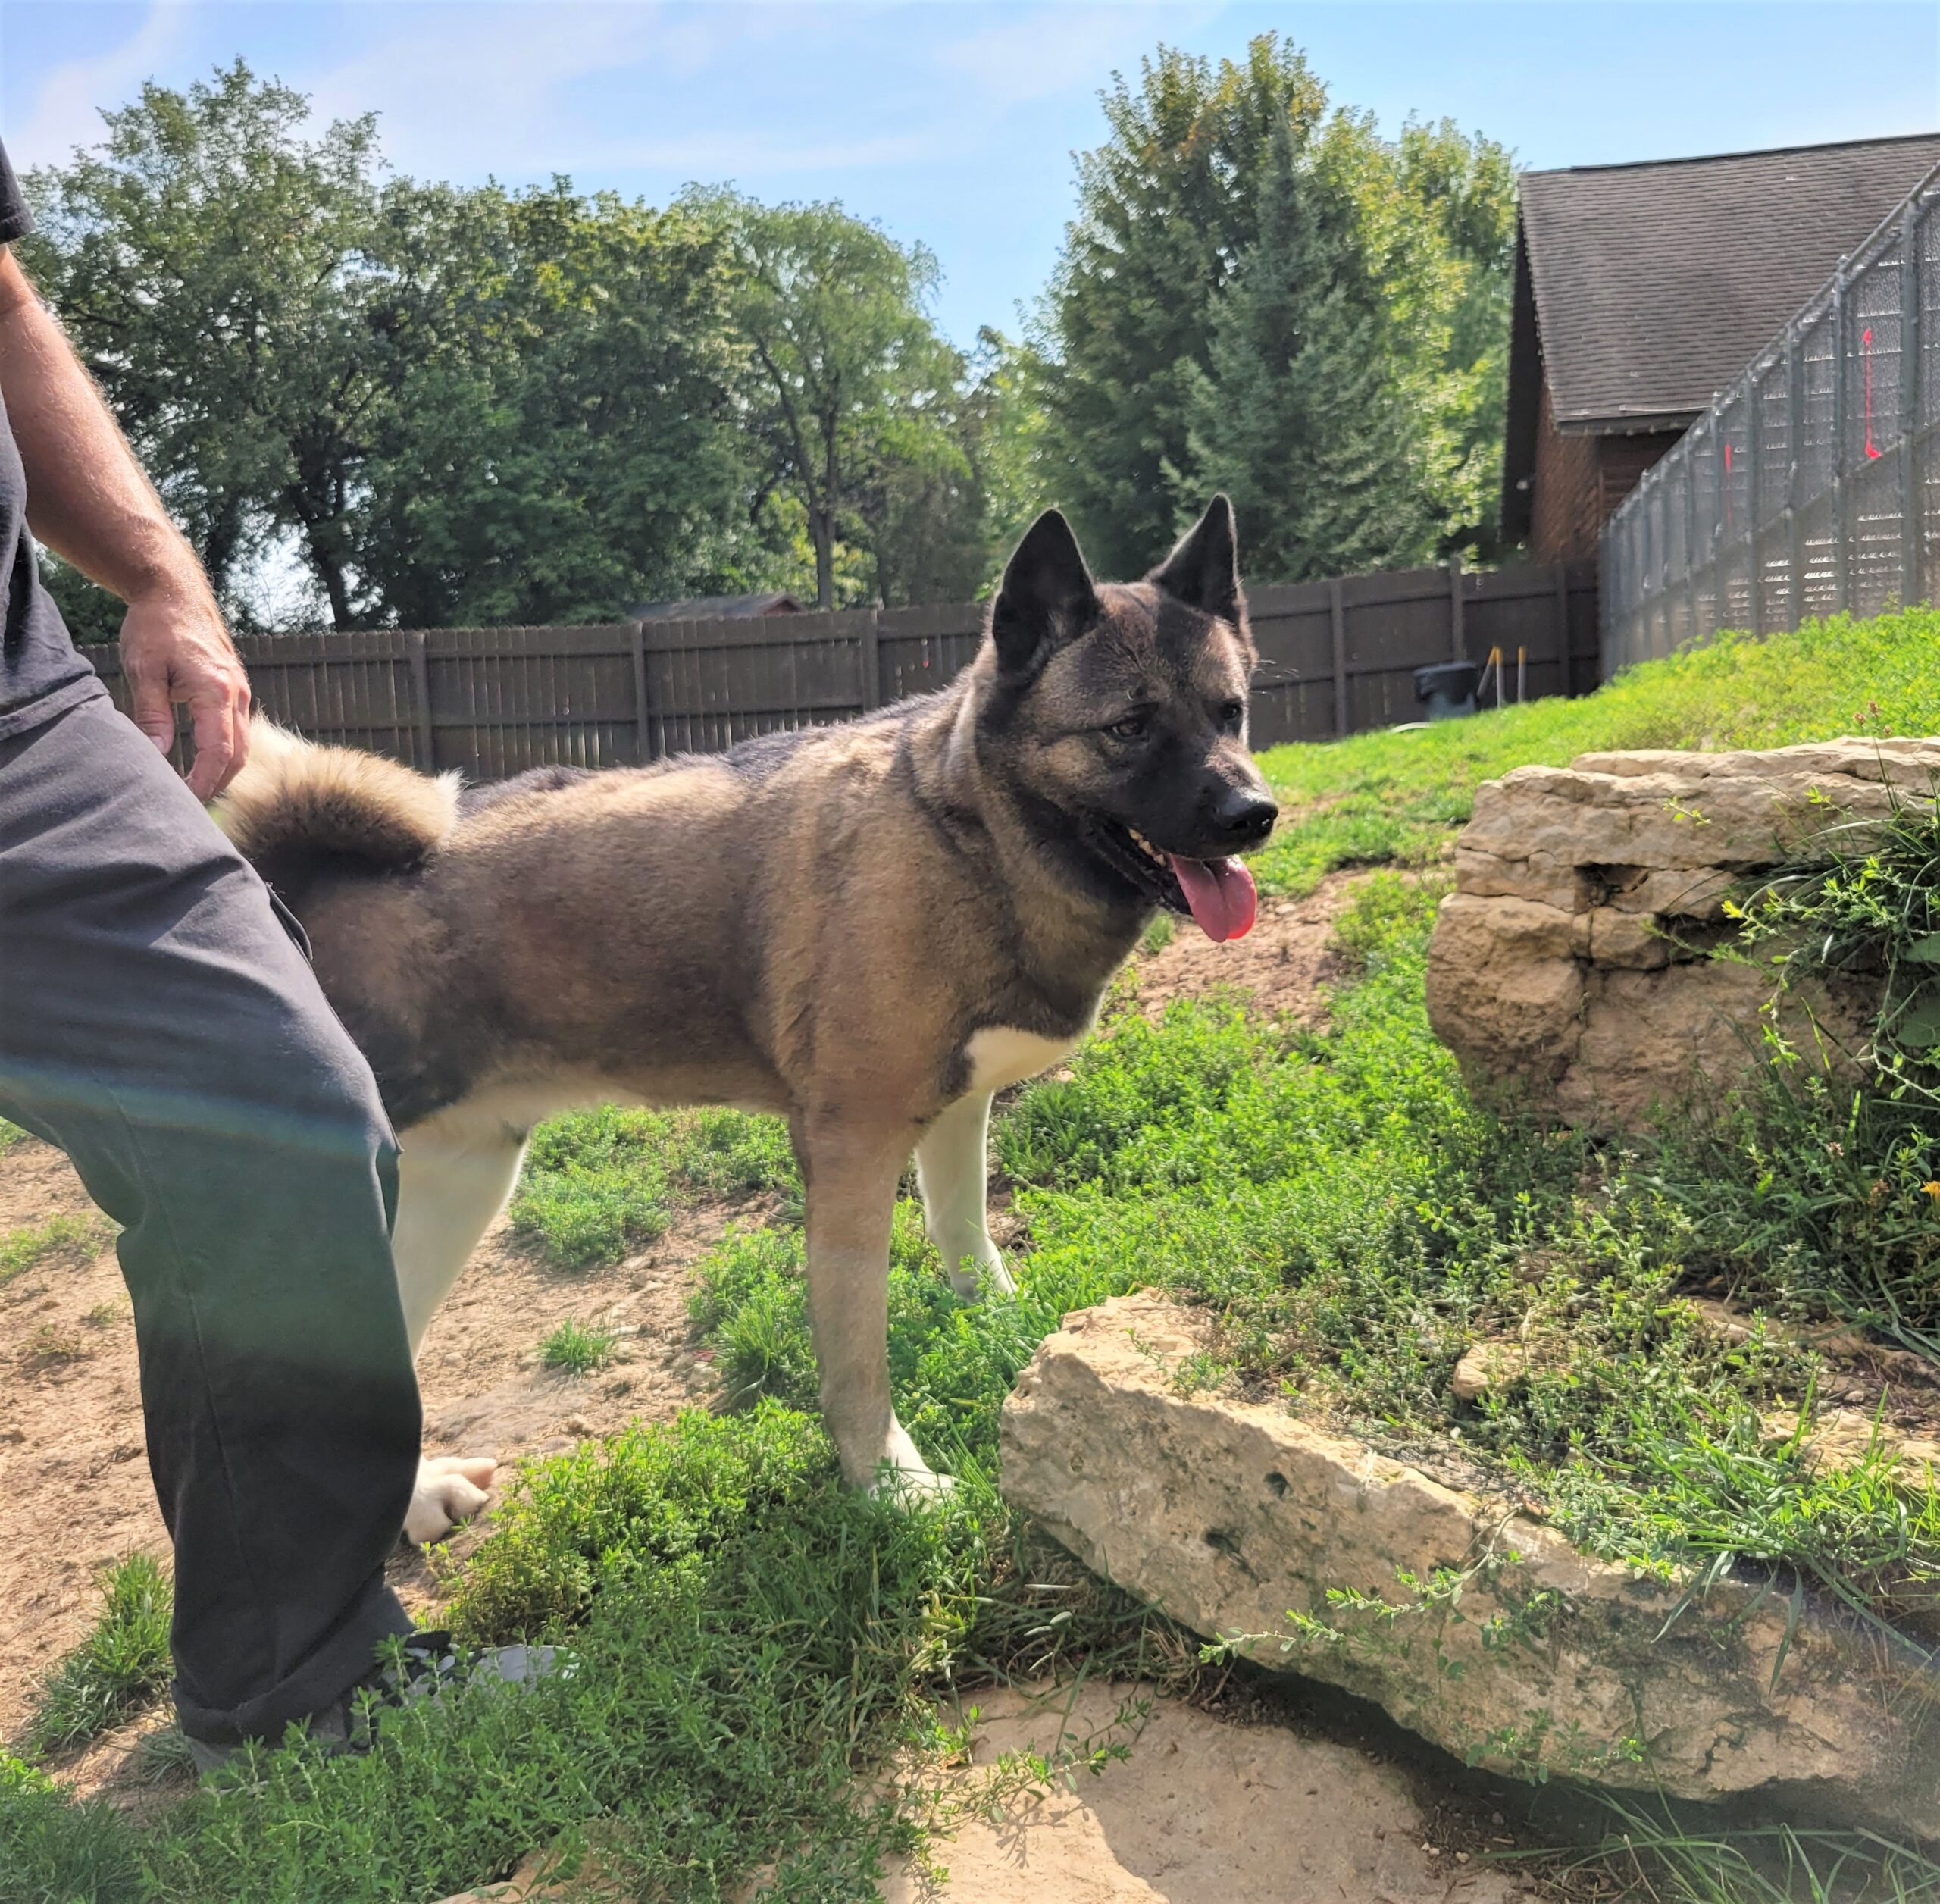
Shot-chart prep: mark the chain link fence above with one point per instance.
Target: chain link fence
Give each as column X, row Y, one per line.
column 1811, row 485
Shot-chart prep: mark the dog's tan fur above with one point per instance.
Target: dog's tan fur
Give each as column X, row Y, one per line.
column 866, row 929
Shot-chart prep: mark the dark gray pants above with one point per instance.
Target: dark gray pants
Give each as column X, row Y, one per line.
column 159, row 1024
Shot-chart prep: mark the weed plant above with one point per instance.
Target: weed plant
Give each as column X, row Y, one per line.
column 55, row 1239
column 599, row 1184
column 117, row 1670
column 574, row 1349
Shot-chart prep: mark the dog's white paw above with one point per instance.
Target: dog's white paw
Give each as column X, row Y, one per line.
column 450, row 1488
column 981, row 1267
column 905, row 1487
column 903, row 1477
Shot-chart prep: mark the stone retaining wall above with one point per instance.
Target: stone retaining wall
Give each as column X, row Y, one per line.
column 1571, row 960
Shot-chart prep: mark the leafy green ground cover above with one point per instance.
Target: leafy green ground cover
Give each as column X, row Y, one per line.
column 754, row 1649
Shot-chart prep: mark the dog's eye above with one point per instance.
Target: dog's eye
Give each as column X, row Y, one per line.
column 1131, row 728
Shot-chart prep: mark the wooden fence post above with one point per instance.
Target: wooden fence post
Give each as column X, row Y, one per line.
column 869, row 650
column 421, row 695
column 1458, row 644
column 642, row 707
column 1338, row 614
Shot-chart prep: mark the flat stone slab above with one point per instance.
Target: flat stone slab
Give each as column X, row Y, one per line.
column 1505, row 1644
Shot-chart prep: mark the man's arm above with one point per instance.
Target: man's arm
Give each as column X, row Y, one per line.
column 91, row 503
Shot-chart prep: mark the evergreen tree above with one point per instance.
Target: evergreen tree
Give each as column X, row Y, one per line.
column 1165, row 211
column 1298, row 417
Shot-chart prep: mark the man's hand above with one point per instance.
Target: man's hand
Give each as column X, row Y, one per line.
column 175, row 650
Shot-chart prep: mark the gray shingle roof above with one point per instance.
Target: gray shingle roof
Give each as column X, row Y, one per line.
column 1655, row 284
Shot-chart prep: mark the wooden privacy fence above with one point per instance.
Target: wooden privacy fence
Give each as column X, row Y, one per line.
column 1335, row 658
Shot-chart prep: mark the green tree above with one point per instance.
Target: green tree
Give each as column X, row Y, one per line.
column 1299, row 416
column 559, row 437
column 940, row 516
column 849, row 386
column 1167, row 207
column 1455, row 224
column 209, row 260
column 1418, row 231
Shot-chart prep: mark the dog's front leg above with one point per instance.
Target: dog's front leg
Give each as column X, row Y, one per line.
column 952, row 1167
column 851, row 1177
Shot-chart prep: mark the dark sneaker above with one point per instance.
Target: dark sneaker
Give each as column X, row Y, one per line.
column 418, row 1666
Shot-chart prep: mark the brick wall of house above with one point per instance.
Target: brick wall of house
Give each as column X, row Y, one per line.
column 1579, row 481
column 1564, row 517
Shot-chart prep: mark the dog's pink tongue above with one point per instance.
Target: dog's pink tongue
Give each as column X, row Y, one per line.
column 1221, row 895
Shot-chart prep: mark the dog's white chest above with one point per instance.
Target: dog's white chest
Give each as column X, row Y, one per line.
column 1001, row 1055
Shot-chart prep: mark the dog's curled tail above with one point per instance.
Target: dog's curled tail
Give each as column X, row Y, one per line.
column 295, row 800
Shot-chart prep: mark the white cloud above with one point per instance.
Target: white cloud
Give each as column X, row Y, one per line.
column 501, row 89
column 66, row 110
column 1055, row 48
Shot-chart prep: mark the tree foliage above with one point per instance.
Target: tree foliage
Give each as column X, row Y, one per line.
column 438, row 405
column 1253, row 278
column 482, row 405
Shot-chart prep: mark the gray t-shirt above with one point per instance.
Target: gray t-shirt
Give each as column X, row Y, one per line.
column 41, row 672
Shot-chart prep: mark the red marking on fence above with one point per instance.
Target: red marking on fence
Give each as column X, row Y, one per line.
column 1866, row 364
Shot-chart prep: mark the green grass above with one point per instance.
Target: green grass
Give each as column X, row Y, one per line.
column 599, row 1184
column 69, row 1239
column 120, row 1668
column 756, row 1647
column 574, row 1349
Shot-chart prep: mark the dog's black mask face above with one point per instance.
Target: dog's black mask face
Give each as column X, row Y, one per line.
column 1118, row 718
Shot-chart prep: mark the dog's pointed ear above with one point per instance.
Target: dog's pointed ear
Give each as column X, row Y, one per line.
column 1047, row 598
column 1204, row 571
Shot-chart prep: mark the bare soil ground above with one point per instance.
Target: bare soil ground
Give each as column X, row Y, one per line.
column 75, row 1488
column 1284, row 964
column 1203, row 1811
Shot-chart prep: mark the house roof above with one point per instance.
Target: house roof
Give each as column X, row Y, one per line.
column 1642, row 290
column 713, row 608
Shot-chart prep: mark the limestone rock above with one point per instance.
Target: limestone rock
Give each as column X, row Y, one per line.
column 1528, row 1653
column 1575, row 955
column 1488, row 1365
column 1501, row 976
column 1843, row 1438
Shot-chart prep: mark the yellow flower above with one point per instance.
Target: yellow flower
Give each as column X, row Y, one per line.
column 1932, row 1189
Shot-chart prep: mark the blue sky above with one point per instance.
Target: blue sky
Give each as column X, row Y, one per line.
column 956, row 123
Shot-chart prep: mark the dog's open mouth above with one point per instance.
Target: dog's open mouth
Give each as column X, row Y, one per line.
column 1218, row 895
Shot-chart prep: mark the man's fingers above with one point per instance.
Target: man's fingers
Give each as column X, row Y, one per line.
column 240, row 737
column 214, row 711
column 151, row 710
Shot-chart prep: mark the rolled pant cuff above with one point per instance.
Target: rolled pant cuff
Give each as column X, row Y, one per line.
column 347, row 1657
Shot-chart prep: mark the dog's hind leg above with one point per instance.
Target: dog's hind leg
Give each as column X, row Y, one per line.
column 851, row 1176
column 455, row 1174
column 951, row 1168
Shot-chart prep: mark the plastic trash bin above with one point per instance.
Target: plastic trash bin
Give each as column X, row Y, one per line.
column 1448, row 687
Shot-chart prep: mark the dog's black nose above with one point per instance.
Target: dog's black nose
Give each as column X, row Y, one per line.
column 1244, row 816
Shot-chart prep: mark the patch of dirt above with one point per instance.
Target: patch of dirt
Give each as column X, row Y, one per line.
column 73, row 1473
column 1200, row 1811
column 1285, row 963
column 74, row 1476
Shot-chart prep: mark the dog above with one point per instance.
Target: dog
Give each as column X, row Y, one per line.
column 867, row 929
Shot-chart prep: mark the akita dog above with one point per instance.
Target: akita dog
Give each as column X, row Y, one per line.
column 867, row 929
